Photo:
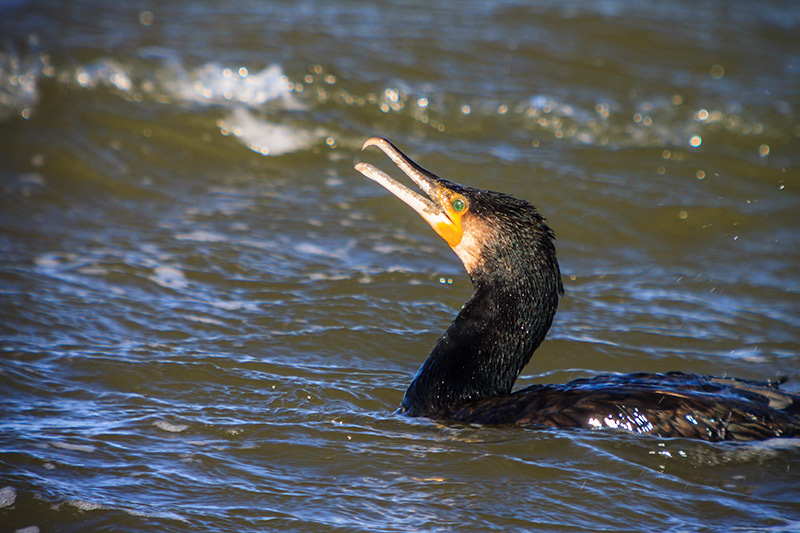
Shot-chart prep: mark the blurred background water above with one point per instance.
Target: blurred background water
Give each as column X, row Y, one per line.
column 208, row 317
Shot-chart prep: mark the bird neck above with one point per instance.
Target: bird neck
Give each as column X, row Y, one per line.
column 490, row 341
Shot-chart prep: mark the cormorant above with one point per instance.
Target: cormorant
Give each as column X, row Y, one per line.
column 508, row 251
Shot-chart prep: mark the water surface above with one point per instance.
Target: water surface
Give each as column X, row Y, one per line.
column 208, row 317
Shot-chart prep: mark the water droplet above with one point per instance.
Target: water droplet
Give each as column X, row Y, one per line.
column 146, row 18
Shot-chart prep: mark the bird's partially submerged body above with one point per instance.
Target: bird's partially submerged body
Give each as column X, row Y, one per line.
column 509, row 253
column 666, row 405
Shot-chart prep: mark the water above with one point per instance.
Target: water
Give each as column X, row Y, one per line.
column 208, row 317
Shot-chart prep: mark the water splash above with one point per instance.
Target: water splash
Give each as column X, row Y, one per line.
column 222, row 85
column 19, row 78
column 265, row 137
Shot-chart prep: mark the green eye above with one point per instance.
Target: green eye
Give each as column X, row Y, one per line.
column 458, row 205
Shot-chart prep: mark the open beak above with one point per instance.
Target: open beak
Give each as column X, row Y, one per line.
column 437, row 211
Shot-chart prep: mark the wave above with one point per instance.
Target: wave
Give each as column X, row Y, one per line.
column 254, row 103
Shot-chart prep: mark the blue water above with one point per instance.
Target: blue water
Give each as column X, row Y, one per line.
column 208, row 317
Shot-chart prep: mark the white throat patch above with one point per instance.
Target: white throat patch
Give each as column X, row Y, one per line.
column 477, row 233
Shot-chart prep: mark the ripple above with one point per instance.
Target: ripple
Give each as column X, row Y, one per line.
column 194, row 334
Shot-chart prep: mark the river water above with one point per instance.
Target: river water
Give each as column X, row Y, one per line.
column 208, row 317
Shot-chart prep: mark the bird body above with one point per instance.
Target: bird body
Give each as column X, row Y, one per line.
column 509, row 253
column 666, row 405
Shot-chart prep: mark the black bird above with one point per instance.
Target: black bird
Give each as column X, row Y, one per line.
column 509, row 254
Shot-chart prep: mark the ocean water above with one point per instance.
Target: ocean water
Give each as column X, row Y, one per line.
column 208, row 318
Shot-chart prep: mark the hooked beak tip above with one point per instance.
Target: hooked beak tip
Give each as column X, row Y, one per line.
column 374, row 141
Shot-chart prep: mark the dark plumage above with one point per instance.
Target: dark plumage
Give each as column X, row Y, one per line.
column 508, row 252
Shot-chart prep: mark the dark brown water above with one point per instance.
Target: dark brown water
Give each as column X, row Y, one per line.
column 207, row 317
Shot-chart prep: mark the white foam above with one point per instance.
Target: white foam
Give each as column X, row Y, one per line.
column 204, row 320
column 19, row 79
column 164, row 514
column 47, row 261
column 235, row 305
column 7, row 497
column 85, row 506
column 201, row 236
column 215, row 84
column 265, row 137
column 104, row 72
column 74, row 447
column 168, row 426
column 314, row 249
column 169, row 277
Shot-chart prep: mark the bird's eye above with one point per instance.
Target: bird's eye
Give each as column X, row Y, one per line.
column 458, row 205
